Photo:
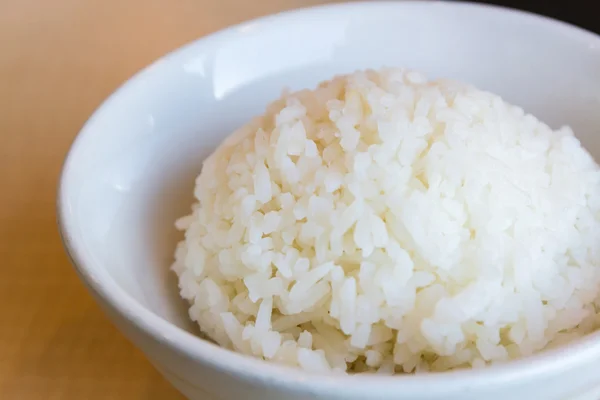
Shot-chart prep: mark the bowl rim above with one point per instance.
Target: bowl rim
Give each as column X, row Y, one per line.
column 107, row 290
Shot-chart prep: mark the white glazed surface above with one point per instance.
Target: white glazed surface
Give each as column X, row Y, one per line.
column 131, row 172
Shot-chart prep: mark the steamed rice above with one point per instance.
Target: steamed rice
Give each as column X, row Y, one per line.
column 384, row 222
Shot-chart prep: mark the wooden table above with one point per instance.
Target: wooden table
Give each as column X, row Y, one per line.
column 58, row 60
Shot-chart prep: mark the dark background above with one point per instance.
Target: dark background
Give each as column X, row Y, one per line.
column 577, row 12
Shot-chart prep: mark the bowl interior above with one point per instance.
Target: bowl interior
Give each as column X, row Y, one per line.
column 131, row 172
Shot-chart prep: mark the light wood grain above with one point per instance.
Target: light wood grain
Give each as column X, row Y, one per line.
column 58, row 60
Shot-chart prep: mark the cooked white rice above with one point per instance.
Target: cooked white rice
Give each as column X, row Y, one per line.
column 383, row 222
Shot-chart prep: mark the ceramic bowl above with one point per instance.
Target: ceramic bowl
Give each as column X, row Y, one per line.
column 130, row 174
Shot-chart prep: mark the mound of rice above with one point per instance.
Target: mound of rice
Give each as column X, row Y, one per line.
column 386, row 223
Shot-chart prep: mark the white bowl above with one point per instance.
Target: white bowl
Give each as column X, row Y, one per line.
column 131, row 172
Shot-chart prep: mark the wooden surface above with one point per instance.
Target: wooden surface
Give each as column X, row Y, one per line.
column 58, row 60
